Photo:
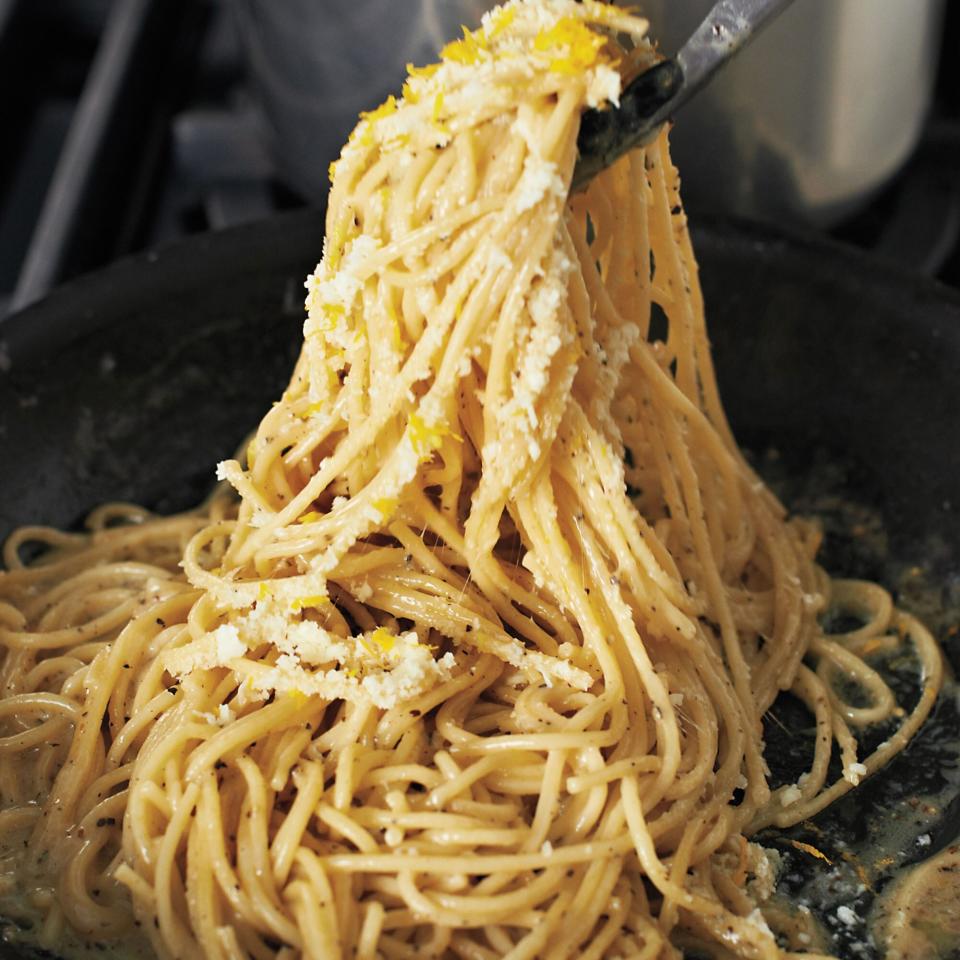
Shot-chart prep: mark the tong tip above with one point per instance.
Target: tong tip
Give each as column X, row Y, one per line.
column 605, row 135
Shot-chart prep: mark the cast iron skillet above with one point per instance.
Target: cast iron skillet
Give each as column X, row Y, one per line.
column 132, row 383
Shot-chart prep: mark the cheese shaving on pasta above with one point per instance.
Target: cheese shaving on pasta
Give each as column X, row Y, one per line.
column 468, row 657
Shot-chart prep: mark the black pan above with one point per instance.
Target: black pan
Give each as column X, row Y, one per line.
column 839, row 374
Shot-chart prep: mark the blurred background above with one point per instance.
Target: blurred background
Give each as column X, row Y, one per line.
column 128, row 124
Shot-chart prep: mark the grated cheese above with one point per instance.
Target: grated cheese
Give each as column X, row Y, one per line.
column 846, row 915
column 854, row 772
column 756, row 919
column 363, row 592
column 603, row 86
column 790, row 795
column 539, row 178
column 216, row 649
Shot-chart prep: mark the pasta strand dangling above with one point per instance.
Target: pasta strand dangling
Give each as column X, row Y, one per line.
column 467, row 658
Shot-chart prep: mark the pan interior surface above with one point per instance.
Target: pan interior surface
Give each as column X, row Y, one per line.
column 836, row 374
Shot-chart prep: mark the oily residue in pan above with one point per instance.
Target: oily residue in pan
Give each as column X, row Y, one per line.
column 876, row 874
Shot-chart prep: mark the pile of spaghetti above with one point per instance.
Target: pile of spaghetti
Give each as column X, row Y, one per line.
column 468, row 656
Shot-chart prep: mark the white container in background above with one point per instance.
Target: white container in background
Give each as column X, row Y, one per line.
column 812, row 118
column 815, row 115
column 316, row 64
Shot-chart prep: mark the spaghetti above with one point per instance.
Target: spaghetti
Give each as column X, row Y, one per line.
column 474, row 666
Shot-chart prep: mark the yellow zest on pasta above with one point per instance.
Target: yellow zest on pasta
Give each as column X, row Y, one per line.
column 573, row 44
column 470, row 50
column 306, row 603
column 471, row 662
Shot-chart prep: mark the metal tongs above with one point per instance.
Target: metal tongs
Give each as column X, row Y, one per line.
column 650, row 99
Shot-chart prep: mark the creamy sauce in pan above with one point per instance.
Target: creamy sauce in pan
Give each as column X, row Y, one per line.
column 885, row 879
column 884, row 884
column 24, row 906
column 918, row 918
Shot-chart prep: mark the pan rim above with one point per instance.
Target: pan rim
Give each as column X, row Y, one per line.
column 23, row 333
